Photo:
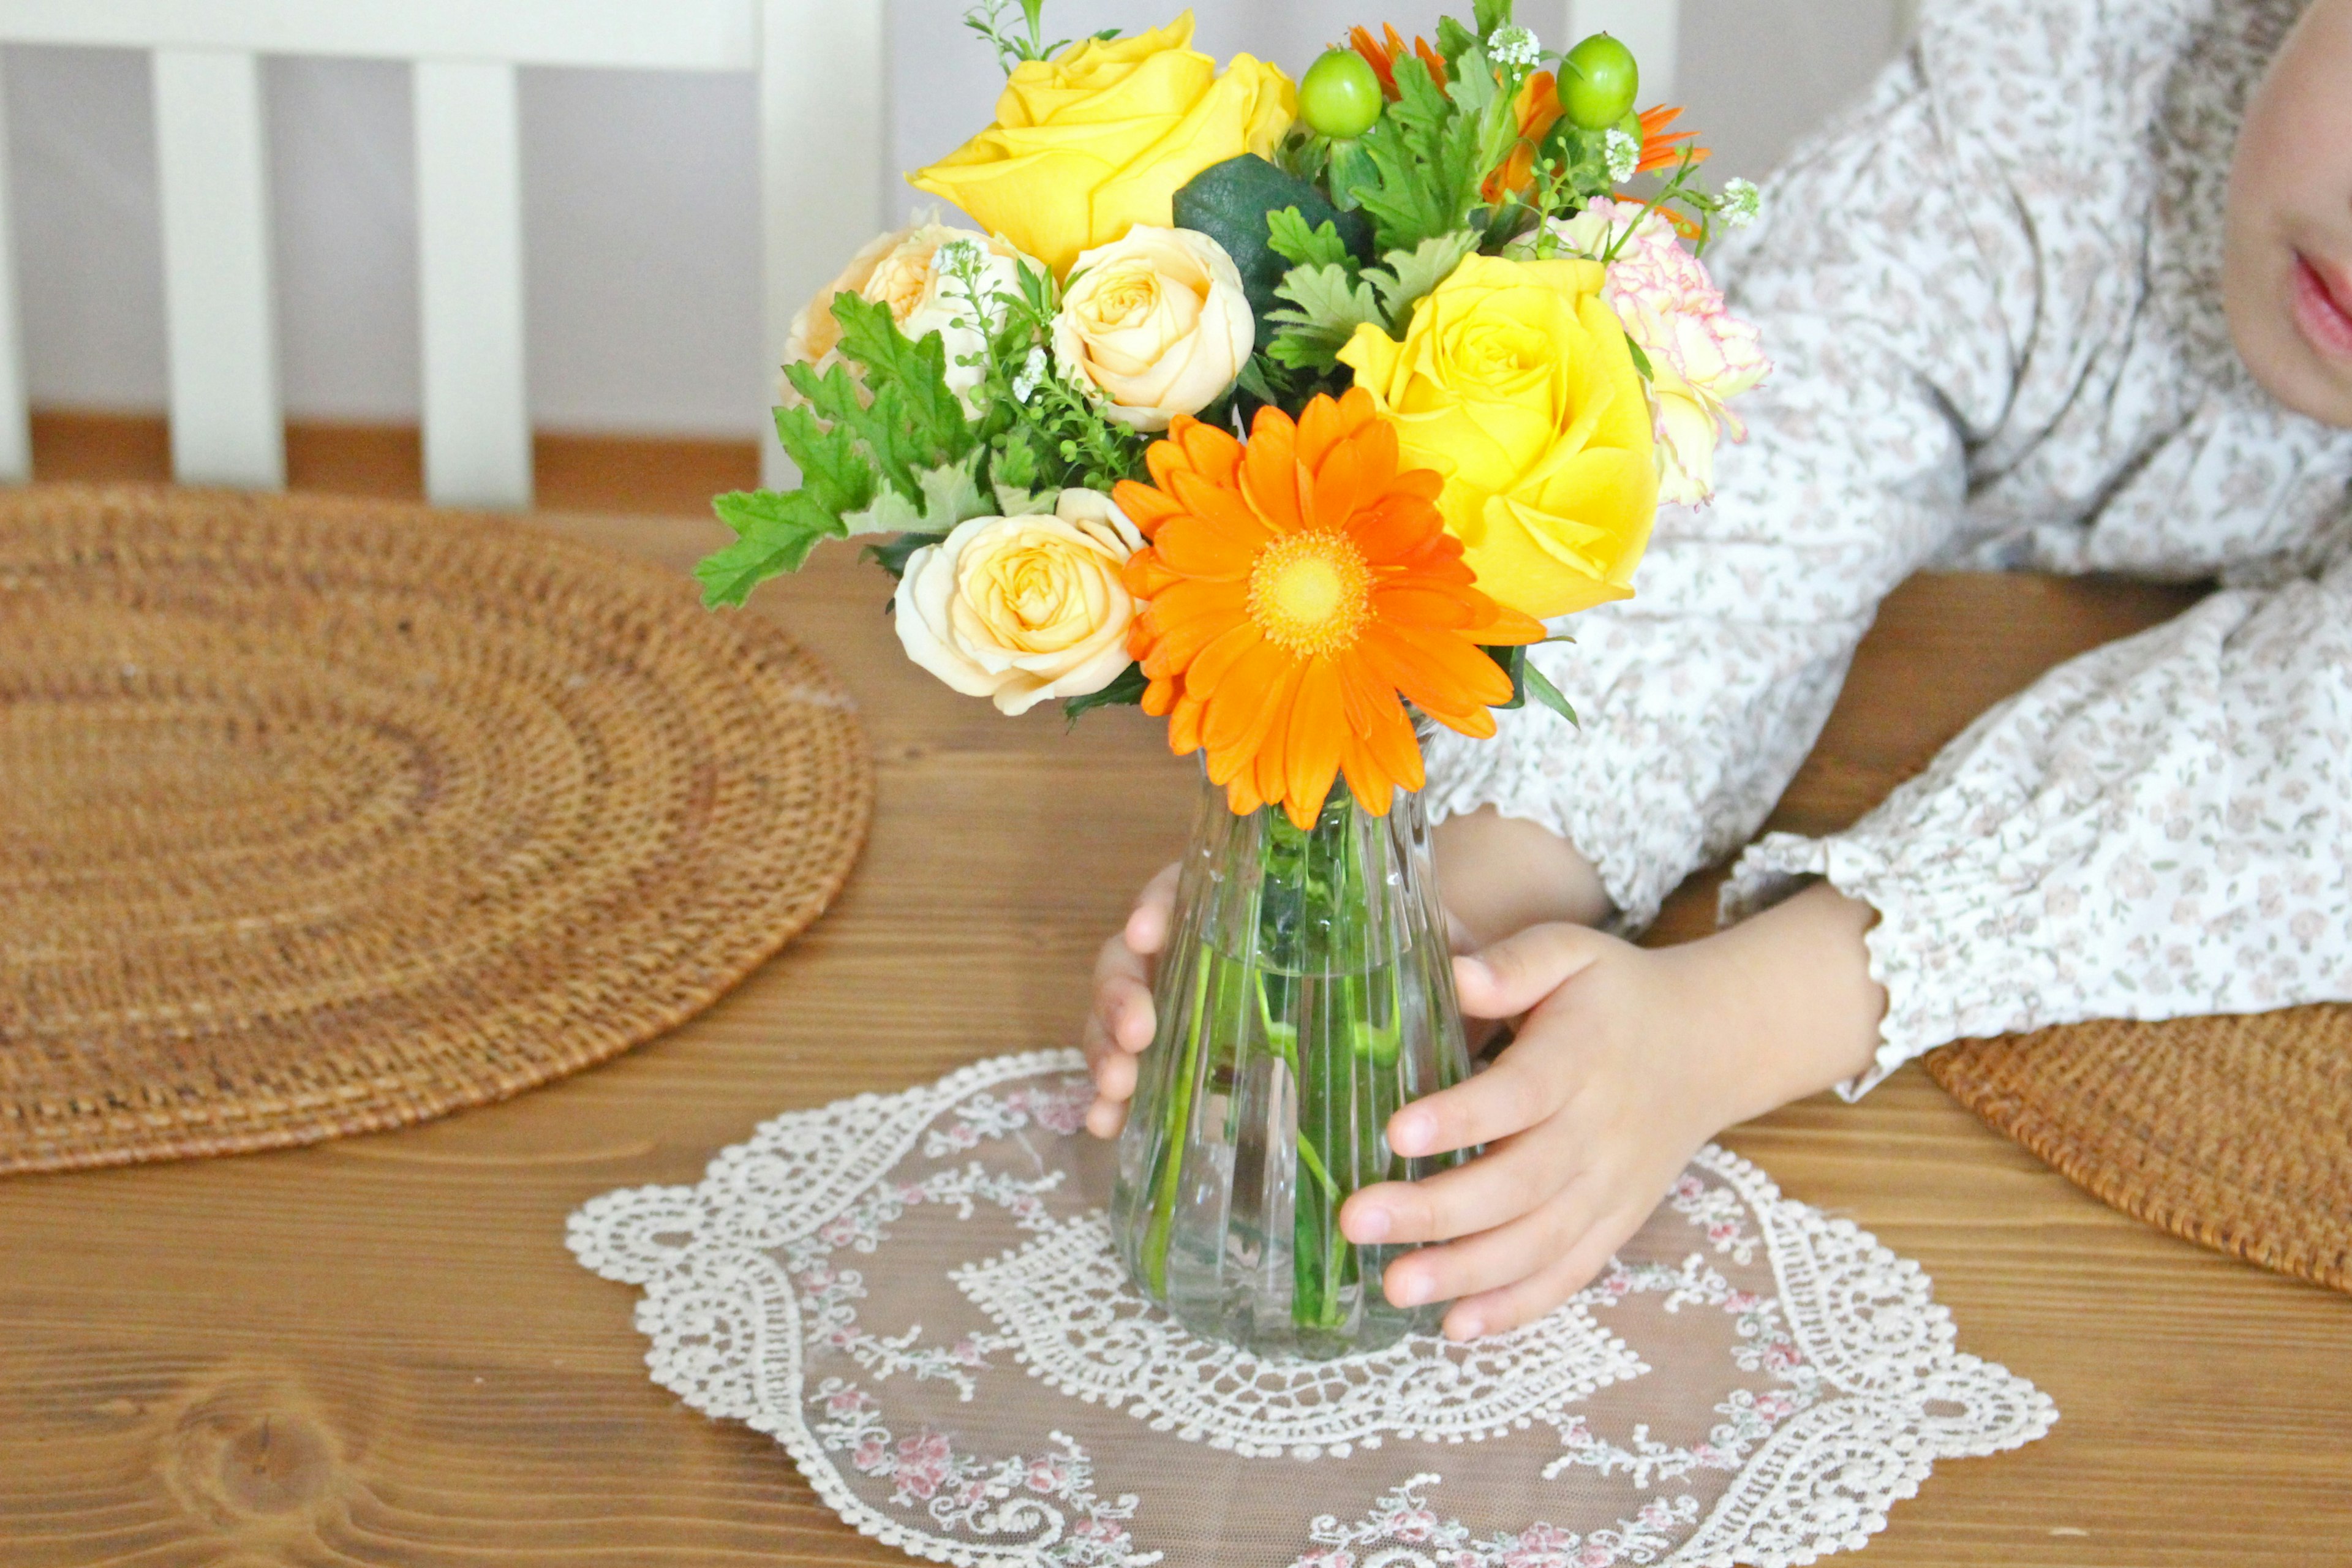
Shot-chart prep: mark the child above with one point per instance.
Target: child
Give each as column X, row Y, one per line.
column 2003, row 294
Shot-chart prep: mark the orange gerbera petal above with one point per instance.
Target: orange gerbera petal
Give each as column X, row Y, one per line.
column 1661, row 150
column 1304, row 589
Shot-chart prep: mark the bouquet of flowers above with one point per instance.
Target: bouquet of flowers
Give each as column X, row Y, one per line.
column 1291, row 412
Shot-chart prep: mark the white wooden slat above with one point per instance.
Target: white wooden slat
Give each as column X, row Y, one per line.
column 1651, row 28
column 221, row 325
column 15, row 436
column 680, row 34
column 824, row 146
column 469, row 278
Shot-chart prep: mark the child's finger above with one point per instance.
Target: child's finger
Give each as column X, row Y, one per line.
column 1147, row 926
column 1123, row 1008
column 1521, row 1177
column 1507, row 978
column 1519, row 1091
column 1524, row 1300
column 1104, row 1118
column 1518, row 1246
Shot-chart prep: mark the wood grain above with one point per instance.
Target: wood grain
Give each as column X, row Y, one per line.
column 377, row 1352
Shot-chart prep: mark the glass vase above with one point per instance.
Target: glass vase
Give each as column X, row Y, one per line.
column 1305, row 993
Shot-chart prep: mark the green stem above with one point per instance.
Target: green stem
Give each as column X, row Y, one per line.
column 1179, row 1115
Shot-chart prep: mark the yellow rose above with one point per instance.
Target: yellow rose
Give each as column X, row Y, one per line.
column 1100, row 138
column 1514, row 382
column 1021, row 609
column 1157, row 322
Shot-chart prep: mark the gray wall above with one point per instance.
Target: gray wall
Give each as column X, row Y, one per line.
column 641, row 200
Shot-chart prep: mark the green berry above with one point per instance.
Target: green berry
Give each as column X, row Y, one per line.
column 1598, row 82
column 1340, row 96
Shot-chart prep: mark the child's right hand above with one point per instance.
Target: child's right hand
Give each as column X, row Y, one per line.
column 1121, row 1024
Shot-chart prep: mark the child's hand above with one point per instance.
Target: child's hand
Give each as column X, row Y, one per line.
column 1626, row 1060
column 1588, row 1116
column 1120, row 1025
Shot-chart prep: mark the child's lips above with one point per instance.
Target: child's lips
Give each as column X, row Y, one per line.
column 2322, row 307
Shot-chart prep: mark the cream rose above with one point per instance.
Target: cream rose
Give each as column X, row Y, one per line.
column 1157, row 322
column 902, row 271
column 1024, row 609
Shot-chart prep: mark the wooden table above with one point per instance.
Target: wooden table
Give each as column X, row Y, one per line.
column 378, row 1351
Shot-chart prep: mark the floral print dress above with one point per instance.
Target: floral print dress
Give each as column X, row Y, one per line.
column 1993, row 291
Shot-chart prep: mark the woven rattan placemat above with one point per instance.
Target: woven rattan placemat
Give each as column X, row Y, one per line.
column 2231, row 1132
column 321, row 816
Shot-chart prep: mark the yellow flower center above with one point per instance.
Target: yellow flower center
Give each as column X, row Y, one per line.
column 1311, row 592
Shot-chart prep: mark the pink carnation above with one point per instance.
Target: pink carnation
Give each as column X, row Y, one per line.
column 1701, row 356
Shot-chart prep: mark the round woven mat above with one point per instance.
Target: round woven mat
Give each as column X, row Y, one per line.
column 2231, row 1132
column 321, row 816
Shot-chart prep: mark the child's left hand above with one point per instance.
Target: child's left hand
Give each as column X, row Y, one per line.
column 1627, row 1059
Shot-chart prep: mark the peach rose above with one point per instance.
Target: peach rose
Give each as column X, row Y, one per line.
column 1024, row 609
column 902, row 271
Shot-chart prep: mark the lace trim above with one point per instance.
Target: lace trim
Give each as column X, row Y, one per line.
column 1064, row 1300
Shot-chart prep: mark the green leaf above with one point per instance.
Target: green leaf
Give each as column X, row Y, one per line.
column 1253, row 381
column 1012, row 501
column 1127, row 689
column 1454, row 41
column 1490, row 15
column 835, row 469
column 895, row 555
column 1405, row 277
column 916, row 371
column 1288, row 233
column 1230, row 202
column 774, row 533
column 1640, row 360
column 950, row 493
column 1544, row 691
column 1427, row 153
column 1329, row 305
column 1513, row 662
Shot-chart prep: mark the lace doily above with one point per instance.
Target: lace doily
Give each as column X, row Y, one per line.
column 917, row 1295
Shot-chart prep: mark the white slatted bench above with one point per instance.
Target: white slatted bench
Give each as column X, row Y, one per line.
column 823, row 145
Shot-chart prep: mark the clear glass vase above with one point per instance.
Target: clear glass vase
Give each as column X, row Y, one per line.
column 1305, row 993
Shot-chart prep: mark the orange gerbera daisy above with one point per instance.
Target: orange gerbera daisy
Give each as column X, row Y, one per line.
column 1300, row 590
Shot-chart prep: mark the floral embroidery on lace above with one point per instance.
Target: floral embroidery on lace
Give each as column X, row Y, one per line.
column 858, row 1281
column 1403, row 1532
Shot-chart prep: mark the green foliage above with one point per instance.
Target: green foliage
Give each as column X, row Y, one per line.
column 893, row 557
column 1490, row 15
column 1540, row 687
column 1233, row 202
column 882, row 446
column 1434, row 148
column 950, row 493
column 774, row 533
column 1127, row 691
column 1407, row 277
column 991, row 20
column 1289, row 237
column 1329, row 303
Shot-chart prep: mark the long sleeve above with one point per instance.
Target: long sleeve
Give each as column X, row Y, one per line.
column 2161, row 827
column 1873, row 275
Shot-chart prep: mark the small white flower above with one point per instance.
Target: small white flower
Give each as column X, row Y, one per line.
column 1033, row 375
column 958, row 256
column 1513, row 47
column 1741, row 202
column 1624, row 155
